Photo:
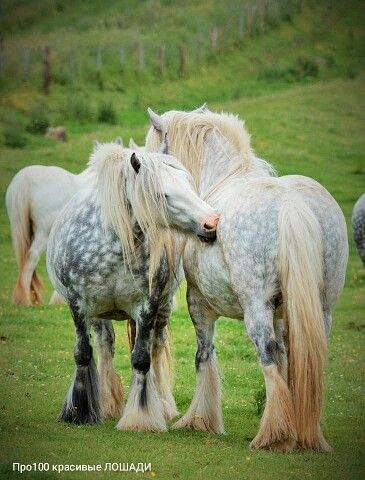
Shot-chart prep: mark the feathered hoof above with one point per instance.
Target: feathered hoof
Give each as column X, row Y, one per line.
column 73, row 415
column 285, row 446
column 112, row 396
column 170, row 410
column 197, row 422
column 318, row 444
column 139, row 422
column 56, row 299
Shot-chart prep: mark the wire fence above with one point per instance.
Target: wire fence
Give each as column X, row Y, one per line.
column 138, row 56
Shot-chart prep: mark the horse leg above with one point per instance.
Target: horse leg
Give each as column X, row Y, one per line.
column 144, row 409
column 162, row 362
column 280, row 337
column 205, row 411
column 27, row 289
column 56, row 299
column 82, row 404
column 110, row 385
column 277, row 428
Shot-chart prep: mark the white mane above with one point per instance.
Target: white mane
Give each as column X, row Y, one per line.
column 187, row 134
column 125, row 196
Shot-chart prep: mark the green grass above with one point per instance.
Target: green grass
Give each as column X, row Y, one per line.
column 315, row 130
column 312, row 125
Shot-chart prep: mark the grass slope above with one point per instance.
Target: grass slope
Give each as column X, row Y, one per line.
column 315, row 130
column 301, row 121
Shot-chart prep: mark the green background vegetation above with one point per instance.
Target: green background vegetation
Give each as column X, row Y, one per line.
column 299, row 85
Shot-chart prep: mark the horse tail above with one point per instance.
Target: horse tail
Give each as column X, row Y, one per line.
column 131, row 331
column 18, row 208
column 301, row 272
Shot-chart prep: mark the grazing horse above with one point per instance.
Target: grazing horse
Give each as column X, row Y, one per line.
column 278, row 264
column 34, row 198
column 358, row 226
column 111, row 255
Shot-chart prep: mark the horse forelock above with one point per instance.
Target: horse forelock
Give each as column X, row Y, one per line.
column 126, row 196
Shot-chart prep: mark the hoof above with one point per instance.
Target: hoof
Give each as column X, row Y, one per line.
column 286, row 445
column 140, row 423
column 199, row 423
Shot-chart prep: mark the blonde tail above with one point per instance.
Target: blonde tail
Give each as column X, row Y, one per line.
column 301, row 271
column 18, row 207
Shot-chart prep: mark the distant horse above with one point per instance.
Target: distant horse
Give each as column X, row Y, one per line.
column 34, row 198
column 281, row 252
column 358, row 226
column 112, row 255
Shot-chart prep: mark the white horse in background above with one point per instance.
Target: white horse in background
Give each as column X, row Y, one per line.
column 34, row 198
column 278, row 263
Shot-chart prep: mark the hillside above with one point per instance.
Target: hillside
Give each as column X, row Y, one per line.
column 299, row 85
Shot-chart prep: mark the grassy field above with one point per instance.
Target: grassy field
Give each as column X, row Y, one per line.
column 311, row 126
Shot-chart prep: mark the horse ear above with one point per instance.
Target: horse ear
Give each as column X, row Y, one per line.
column 155, row 119
column 136, row 164
column 203, row 109
column 119, row 141
column 132, row 143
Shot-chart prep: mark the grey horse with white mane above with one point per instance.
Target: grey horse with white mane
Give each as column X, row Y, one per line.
column 358, row 226
column 278, row 264
column 112, row 255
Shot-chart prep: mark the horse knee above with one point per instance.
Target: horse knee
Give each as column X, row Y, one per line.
column 83, row 355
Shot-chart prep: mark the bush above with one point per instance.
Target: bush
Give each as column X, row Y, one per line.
column 106, row 113
column 14, row 136
column 76, row 108
column 38, row 122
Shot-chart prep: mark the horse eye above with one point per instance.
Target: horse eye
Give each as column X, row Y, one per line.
column 166, row 196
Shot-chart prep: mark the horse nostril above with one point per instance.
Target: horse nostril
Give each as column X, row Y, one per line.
column 208, row 227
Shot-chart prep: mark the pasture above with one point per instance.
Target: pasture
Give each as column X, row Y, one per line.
column 309, row 123
column 315, row 130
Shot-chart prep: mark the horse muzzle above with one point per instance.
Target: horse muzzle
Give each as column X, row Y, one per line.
column 208, row 231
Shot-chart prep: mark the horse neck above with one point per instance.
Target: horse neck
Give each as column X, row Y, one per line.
column 220, row 163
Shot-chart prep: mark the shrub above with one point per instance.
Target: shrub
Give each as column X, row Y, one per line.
column 106, row 113
column 14, row 136
column 38, row 122
column 77, row 108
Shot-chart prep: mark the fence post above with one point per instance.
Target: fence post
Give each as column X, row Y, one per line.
column 46, row 69
column 140, row 51
column 241, row 24
column 99, row 59
column 198, row 50
column 214, row 38
column 221, row 40
column 162, row 58
column 26, row 65
column 183, row 61
column 72, row 63
column 122, row 56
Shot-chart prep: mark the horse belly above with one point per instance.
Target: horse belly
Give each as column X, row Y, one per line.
column 205, row 269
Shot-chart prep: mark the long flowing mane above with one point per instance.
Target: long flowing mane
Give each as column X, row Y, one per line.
column 187, row 134
column 125, row 195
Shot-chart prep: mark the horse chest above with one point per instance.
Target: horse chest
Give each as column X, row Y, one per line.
column 205, row 269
